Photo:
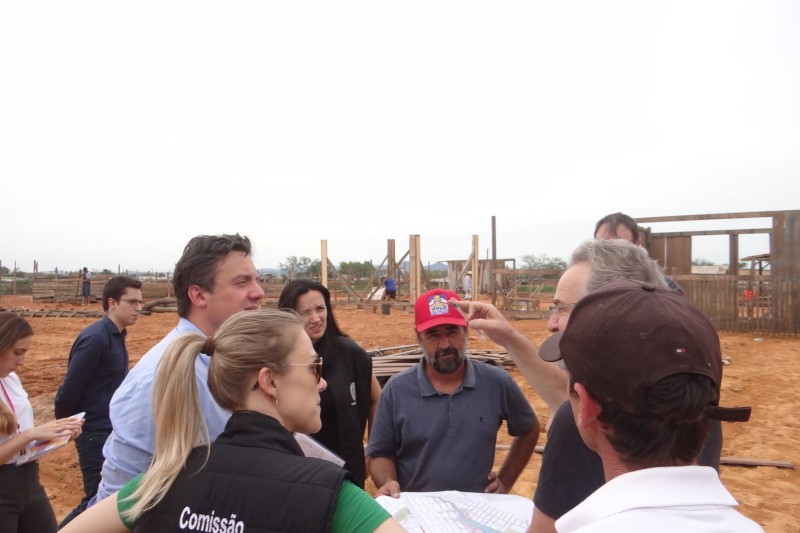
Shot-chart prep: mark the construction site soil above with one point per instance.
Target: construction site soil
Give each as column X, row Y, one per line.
column 763, row 373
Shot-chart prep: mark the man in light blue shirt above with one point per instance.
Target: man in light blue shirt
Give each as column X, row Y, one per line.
column 214, row 279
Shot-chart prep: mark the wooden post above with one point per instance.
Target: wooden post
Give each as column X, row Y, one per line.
column 733, row 258
column 14, row 279
column 476, row 275
column 492, row 277
column 323, row 273
column 413, row 268
column 391, row 265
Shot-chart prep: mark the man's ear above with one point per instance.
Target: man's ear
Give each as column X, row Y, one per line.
column 197, row 295
column 588, row 409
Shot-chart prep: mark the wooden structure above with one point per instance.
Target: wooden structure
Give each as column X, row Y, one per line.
column 483, row 270
column 776, row 308
column 46, row 289
column 54, row 289
column 493, row 276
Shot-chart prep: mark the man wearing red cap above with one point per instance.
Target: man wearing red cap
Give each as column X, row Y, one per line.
column 644, row 381
column 436, row 424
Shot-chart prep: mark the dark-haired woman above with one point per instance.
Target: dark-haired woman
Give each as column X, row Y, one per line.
column 349, row 402
column 24, row 507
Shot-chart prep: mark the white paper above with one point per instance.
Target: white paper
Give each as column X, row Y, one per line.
column 453, row 511
column 312, row 448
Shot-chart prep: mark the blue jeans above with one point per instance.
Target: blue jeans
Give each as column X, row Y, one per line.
column 90, row 456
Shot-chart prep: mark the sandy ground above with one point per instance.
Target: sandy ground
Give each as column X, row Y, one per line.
column 763, row 374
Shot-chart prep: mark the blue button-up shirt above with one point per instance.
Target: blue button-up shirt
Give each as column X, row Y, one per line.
column 130, row 446
column 98, row 362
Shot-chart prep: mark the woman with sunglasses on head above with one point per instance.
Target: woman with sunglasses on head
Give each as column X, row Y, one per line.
column 351, row 398
column 254, row 477
column 24, row 507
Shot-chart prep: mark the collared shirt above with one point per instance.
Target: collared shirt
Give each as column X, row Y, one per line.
column 446, row 441
column 130, row 446
column 570, row 471
column 664, row 499
column 18, row 403
column 98, row 362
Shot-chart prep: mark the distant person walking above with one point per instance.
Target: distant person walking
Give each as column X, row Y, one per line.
column 467, row 285
column 98, row 362
column 85, row 286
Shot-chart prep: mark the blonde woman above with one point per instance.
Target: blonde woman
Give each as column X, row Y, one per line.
column 24, row 507
column 254, row 477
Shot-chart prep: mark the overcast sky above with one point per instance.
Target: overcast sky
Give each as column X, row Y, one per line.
column 126, row 128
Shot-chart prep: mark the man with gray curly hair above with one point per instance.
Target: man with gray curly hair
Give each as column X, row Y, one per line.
column 592, row 264
column 570, row 471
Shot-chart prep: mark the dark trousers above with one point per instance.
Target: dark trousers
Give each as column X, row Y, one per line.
column 24, row 507
column 90, row 456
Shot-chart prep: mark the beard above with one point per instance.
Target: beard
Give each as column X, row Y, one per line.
column 447, row 366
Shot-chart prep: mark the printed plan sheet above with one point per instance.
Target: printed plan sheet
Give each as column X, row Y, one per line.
column 456, row 512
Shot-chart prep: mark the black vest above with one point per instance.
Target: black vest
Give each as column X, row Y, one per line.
column 346, row 402
column 255, row 480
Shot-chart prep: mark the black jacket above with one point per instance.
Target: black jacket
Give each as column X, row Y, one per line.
column 255, row 480
column 346, row 402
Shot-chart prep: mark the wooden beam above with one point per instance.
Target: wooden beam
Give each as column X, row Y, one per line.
column 368, row 291
column 730, row 461
column 712, row 232
column 323, row 275
column 413, row 267
column 529, row 271
column 476, row 272
column 712, row 216
column 733, row 254
column 492, row 275
column 344, row 282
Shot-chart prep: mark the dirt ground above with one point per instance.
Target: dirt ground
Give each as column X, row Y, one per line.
column 763, row 373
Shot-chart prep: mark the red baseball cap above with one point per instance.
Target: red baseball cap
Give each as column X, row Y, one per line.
column 432, row 309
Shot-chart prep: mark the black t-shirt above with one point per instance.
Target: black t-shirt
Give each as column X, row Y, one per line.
column 571, row 471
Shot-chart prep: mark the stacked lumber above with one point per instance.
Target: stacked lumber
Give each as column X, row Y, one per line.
column 388, row 361
column 161, row 305
column 58, row 313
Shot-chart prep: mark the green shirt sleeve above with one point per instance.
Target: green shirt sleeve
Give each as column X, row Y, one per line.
column 357, row 511
column 123, row 504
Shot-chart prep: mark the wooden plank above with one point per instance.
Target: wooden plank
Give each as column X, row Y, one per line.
column 725, row 460
column 713, row 232
column 711, row 216
column 752, row 461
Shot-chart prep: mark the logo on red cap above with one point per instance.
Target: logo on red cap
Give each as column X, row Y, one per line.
column 432, row 309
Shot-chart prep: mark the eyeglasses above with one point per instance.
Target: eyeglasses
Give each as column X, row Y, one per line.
column 133, row 301
column 316, row 363
column 555, row 309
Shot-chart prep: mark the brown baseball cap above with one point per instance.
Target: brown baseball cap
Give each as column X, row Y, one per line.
column 626, row 336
